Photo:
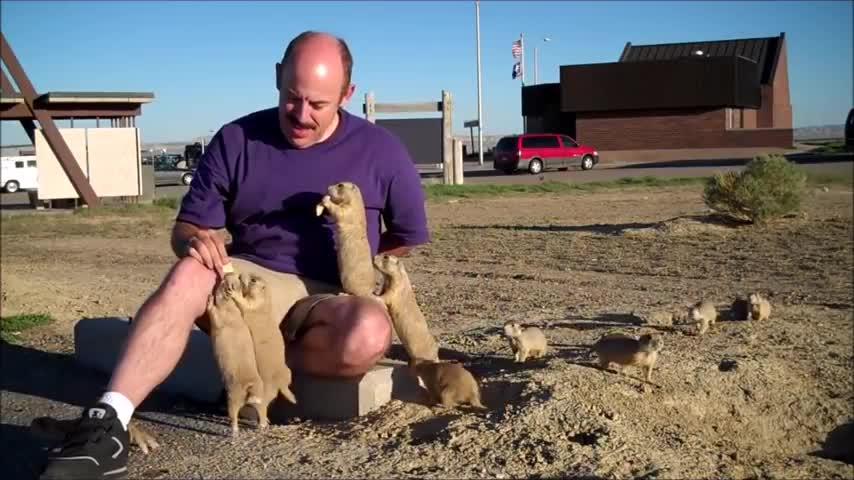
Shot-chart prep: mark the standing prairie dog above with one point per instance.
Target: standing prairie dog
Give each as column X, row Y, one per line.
column 447, row 383
column 233, row 348
column 624, row 350
column 406, row 316
column 255, row 303
column 344, row 203
column 703, row 314
column 760, row 307
column 530, row 341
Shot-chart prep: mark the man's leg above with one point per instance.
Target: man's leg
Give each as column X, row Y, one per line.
column 157, row 339
column 337, row 336
column 160, row 330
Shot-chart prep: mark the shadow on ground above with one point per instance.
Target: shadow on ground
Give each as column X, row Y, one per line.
column 612, row 228
column 23, row 455
column 839, row 444
column 57, row 377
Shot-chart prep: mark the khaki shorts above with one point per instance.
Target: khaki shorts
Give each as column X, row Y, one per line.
column 293, row 296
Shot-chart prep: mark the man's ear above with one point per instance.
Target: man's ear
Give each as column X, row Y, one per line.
column 278, row 75
column 348, row 92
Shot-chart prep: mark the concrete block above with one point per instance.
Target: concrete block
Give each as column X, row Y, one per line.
column 341, row 398
column 98, row 342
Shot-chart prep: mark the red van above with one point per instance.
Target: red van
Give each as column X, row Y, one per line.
column 536, row 152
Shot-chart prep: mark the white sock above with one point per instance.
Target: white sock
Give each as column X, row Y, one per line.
column 120, row 403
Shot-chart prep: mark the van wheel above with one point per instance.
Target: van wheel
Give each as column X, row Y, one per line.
column 536, row 166
column 11, row 186
column 587, row 162
column 186, row 178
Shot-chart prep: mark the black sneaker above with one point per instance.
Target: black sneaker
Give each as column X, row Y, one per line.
column 97, row 448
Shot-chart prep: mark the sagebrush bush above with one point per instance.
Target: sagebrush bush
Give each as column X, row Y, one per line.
column 769, row 187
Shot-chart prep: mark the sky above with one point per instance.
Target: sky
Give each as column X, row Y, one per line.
column 210, row 62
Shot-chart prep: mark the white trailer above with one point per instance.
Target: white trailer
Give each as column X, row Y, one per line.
column 19, row 173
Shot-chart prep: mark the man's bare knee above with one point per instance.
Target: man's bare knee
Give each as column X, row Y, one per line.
column 343, row 336
column 368, row 336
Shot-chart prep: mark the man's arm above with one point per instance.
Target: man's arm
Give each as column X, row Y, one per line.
column 182, row 232
column 404, row 215
column 202, row 209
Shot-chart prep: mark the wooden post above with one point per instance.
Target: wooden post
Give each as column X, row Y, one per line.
column 51, row 132
column 447, row 137
column 370, row 107
column 28, row 124
column 458, row 162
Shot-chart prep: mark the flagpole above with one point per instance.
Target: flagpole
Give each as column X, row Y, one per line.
column 479, row 103
column 522, row 64
column 522, row 57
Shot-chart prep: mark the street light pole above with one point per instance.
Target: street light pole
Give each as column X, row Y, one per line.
column 479, row 102
column 536, row 68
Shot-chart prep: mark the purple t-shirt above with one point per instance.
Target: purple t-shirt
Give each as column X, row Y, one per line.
column 264, row 191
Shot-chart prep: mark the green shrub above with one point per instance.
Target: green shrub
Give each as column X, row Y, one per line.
column 769, row 187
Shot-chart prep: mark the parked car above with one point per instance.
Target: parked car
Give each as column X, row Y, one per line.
column 167, row 172
column 19, row 173
column 536, row 152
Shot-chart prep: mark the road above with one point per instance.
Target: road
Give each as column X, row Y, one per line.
column 830, row 164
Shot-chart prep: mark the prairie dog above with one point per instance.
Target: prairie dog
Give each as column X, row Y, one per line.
column 760, row 308
column 703, row 314
column 344, row 203
column 530, row 341
column 255, row 303
column 447, row 383
column 54, row 430
column 406, row 316
column 233, row 349
column 624, row 350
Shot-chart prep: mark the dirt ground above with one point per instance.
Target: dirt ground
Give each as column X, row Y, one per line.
column 746, row 400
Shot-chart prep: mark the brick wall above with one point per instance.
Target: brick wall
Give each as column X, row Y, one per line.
column 686, row 128
column 781, row 105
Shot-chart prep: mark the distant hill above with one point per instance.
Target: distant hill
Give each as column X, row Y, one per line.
column 819, row 132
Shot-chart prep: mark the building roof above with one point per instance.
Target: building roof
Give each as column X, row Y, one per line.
column 82, row 97
column 764, row 51
column 80, row 105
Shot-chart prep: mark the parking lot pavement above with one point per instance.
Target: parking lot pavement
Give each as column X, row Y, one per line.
column 474, row 173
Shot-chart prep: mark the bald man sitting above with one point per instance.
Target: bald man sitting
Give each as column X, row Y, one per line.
column 260, row 178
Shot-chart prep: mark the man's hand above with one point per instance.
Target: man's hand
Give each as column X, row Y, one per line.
column 205, row 245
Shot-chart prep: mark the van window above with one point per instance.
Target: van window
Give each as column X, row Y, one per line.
column 19, row 164
column 540, row 142
column 506, row 144
column 568, row 142
column 31, row 163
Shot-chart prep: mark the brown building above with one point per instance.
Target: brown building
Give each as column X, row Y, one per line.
column 676, row 100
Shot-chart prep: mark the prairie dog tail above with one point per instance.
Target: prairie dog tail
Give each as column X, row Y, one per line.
column 288, row 394
column 477, row 403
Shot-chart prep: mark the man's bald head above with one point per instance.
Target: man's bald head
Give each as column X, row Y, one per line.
column 311, row 38
column 313, row 80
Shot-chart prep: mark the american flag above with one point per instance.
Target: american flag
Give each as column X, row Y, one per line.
column 516, row 49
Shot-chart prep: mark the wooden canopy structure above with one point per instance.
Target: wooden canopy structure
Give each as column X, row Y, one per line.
column 26, row 106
